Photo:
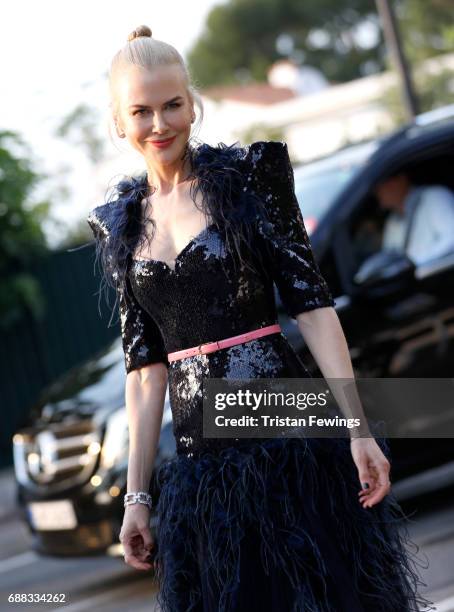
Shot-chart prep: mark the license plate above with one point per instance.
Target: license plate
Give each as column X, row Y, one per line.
column 52, row 515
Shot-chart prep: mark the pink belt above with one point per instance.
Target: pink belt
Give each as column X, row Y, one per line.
column 209, row 347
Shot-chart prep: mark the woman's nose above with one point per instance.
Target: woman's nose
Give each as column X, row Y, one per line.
column 159, row 123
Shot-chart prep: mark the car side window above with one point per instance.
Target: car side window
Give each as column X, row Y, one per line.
column 366, row 231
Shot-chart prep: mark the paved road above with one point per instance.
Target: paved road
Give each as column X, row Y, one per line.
column 106, row 584
column 97, row 583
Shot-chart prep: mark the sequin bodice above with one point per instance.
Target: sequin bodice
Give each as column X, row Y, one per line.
column 190, row 306
column 208, row 296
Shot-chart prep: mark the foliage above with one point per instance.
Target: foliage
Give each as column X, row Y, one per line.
column 434, row 91
column 242, row 39
column 21, row 234
column 424, row 34
column 341, row 38
column 426, row 30
column 81, row 126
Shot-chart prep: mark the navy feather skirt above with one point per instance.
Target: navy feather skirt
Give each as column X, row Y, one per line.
column 278, row 527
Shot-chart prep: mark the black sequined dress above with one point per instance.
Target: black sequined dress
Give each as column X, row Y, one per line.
column 260, row 525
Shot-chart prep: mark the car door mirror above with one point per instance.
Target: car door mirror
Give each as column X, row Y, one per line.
column 436, row 267
column 385, row 273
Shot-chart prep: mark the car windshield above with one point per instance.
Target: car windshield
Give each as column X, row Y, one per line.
column 317, row 193
column 318, row 183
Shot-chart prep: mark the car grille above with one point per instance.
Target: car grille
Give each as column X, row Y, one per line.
column 57, row 457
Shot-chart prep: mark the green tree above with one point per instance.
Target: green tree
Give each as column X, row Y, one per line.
column 241, row 39
column 424, row 34
column 434, row 91
column 80, row 126
column 21, row 234
column 427, row 28
column 342, row 38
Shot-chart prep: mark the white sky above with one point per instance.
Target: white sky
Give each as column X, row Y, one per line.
column 55, row 55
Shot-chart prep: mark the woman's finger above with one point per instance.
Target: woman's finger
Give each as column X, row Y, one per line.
column 134, row 553
column 147, row 539
column 372, row 482
column 133, row 561
column 366, row 491
column 127, row 546
column 383, row 485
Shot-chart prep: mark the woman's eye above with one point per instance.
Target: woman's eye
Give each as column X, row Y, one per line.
column 145, row 110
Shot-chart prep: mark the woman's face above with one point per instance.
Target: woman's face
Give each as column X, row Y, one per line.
column 154, row 105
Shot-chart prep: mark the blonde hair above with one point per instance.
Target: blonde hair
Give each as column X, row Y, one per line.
column 143, row 50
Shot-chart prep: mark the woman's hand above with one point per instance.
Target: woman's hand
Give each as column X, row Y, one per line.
column 135, row 535
column 373, row 469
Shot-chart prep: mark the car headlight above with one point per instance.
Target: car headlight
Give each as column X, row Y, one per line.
column 115, row 445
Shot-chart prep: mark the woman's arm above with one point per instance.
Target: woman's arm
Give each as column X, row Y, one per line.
column 145, row 391
column 145, row 360
column 145, row 394
column 324, row 336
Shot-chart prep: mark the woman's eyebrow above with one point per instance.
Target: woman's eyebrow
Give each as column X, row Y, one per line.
column 146, row 106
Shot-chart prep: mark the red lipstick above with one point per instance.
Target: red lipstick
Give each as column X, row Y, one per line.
column 161, row 144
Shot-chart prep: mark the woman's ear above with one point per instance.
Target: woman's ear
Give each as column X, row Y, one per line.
column 191, row 102
column 118, row 128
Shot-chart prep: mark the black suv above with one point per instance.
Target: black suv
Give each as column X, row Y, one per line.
column 398, row 317
column 71, row 461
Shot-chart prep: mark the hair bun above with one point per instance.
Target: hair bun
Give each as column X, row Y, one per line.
column 142, row 30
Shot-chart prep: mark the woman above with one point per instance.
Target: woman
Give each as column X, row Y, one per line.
column 193, row 248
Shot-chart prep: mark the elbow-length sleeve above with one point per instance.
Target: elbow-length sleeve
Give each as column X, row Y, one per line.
column 141, row 338
column 283, row 235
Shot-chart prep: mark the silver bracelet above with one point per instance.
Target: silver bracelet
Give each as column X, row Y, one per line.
column 138, row 497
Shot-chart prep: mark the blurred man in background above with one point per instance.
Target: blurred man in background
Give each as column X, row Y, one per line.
column 421, row 218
